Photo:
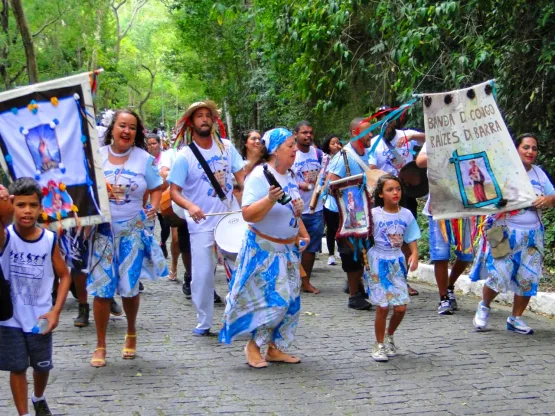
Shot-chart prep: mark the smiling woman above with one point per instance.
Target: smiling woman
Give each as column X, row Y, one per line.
column 125, row 249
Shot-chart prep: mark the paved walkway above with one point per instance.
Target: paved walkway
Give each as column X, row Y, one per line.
column 445, row 367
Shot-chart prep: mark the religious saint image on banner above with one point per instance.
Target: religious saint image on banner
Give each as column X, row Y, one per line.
column 47, row 132
column 354, row 203
column 43, row 145
column 473, row 165
column 477, row 183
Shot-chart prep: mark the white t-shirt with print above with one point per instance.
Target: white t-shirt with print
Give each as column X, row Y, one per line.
column 306, row 168
column 383, row 157
column 187, row 173
column 129, row 182
column 392, row 229
column 27, row 265
column 282, row 221
column 529, row 218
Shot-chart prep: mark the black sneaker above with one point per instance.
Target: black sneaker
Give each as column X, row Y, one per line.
column 445, row 308
column 82, row 319
column 41, row 408
column 141, row 287
column 452, row 299
column 164, row 250
column 115, row 309
column 358, row 302
column 217, row 298
column 186, row 288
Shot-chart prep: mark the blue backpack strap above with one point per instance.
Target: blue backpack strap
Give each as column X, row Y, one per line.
column 320, row 155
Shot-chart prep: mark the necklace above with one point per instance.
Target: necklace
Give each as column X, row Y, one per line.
column 126, row 153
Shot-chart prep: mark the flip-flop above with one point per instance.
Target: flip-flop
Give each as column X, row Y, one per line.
column 256, row 364
column 413, row 292
column 128, row 353
column 291, row 359
column 101, row 361
column 172, row 276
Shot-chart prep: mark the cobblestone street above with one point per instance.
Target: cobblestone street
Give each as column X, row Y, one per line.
column 444, row 366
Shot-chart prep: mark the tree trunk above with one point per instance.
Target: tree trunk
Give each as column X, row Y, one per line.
column 4, row 52
column 229, row 122
column 19, row 14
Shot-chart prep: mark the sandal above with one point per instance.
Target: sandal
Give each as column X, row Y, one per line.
column 254, row 364
column 98, row 362
column 172, row 276
column 281, row 357
column 128, row 353
column 412, row 291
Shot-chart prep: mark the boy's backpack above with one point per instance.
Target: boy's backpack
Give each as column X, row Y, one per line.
column 6, row 306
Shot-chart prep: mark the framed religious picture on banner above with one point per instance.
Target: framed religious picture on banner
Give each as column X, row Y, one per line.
column 355, row 204
column 48, row 132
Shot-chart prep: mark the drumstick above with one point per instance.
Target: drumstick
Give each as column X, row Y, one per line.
column 211, row 214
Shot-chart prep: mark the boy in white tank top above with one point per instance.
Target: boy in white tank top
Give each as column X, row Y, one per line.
column 30, row 258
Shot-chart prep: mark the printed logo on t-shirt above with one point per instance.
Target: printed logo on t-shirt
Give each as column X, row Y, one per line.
column 122, row 183
column 392, row 232
column 308, row 170
column 218, row 166
column 27, row 272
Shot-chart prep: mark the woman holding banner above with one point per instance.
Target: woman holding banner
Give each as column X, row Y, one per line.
column 125, row 249
column 513, row 257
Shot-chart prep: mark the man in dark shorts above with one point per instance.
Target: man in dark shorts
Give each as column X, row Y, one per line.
column 351, row 264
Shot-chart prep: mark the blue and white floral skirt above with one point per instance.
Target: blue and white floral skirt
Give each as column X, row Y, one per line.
column 123, row 252
column 264, row 298
column 520, row 271
column 386, row 283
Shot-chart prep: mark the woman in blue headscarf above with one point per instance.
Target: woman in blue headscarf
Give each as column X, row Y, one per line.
column 264, row 299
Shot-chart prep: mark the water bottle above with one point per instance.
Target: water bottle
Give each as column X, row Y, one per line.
column 149, row 223
column 302, row 243
column 40, row 327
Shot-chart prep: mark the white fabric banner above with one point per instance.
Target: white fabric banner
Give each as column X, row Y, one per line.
column 473, row 165
column 47, row 132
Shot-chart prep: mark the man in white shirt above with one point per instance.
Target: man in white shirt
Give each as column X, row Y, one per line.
column 308, row 163
column 192, row 189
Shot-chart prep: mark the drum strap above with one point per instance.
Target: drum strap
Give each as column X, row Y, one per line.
column 208, row 171
column 357, row 159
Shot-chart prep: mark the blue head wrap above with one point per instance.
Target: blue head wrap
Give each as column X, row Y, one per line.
column 272, row 139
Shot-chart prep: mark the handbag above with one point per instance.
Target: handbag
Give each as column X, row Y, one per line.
column 498, row 239
column 6, row 305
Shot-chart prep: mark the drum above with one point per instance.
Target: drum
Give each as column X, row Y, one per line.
column 414, row 180
column 229, row 234
column 170, row 210
column 372, row 176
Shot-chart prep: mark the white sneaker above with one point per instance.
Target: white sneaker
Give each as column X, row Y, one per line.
column 481, row 317
column 390, row 347
column 331, row 261
column 518, row 325
column 378, row 353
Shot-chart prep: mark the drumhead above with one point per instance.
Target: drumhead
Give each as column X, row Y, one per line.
column 229, row 233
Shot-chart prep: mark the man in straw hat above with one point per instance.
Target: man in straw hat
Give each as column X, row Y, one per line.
column 192, row 189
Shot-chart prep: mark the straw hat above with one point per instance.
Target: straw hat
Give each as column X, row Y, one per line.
column 211, row 105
